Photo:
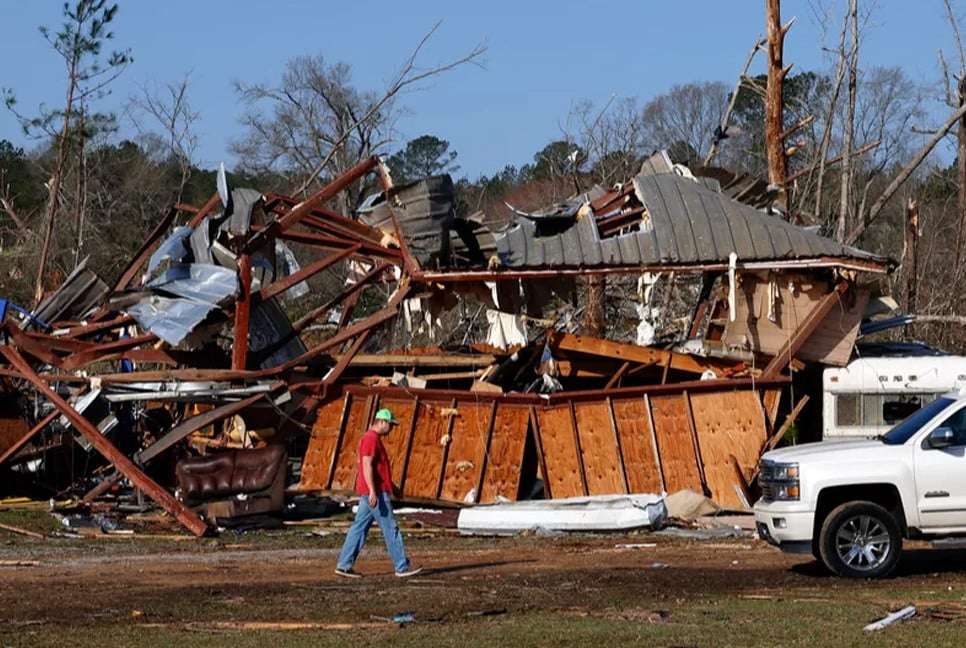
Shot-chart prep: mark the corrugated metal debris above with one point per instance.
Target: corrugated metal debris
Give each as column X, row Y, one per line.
column 201, row 355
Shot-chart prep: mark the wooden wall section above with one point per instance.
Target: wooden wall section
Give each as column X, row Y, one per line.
column 637, row 445
column 728, row 424
column 562, row 457
column 504, row 459
column 323, row 448
column 469, row 448
column 679, row 463
column 599, row 448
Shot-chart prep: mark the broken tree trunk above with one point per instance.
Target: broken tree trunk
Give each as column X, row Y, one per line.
column 774, row 108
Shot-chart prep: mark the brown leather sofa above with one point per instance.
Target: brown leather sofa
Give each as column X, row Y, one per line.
column 234, row 483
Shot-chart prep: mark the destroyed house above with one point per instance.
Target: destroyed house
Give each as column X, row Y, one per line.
column 204, row 350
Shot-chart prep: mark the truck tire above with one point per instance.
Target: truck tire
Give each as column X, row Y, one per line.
column 860, row 540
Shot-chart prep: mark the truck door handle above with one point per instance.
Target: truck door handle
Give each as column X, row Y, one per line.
column 937, row 494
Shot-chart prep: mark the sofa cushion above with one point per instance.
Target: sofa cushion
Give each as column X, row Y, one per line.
column 230, row 473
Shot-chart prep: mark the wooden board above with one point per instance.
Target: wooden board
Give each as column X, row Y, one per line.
column 467, row 451
column 505, row 457
column 357, row 421
column 637, row 445
column 397, row 442
column 728, row 423
column 426, row 454
column 323, row 446
column 676, row 449
column 603, row 469
column 560, row 453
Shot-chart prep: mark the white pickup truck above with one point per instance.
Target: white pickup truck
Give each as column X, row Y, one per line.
column 851, row 503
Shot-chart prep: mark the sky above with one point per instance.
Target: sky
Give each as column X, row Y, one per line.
column 541, row 59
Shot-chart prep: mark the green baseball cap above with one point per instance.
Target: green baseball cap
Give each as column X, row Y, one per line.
column 386, row 415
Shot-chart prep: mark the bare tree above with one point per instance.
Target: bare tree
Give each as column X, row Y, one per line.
column 316, row 123
column 79, row 42
column 166, row 107
column 685, row 119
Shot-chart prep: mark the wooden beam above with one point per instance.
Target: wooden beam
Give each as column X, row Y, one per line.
column 777, row 436
column 633, row 353
column 186, row 516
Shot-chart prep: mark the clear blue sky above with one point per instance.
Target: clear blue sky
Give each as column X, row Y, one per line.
column 542, row 57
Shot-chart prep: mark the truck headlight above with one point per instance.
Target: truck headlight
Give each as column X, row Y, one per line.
column 780, row 481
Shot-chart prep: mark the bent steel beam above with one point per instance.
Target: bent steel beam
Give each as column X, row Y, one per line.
column 186, row 516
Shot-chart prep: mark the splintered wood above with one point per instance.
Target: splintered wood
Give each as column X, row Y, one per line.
column 473, row 450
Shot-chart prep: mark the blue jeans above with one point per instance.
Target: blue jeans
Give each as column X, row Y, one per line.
column 356, row 537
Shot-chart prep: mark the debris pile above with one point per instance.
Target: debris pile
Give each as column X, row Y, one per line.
column 192, row 351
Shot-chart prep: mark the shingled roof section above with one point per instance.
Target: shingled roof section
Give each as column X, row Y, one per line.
column 687, row 224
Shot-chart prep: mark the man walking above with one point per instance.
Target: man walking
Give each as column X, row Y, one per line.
column 374, row 485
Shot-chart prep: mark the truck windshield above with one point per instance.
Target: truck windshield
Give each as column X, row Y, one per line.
column 901, row 432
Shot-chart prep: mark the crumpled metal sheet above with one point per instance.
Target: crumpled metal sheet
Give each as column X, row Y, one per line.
column 170, row 319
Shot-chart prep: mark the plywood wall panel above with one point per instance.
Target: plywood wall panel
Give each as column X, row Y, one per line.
column 426, row 452
column 467, row 450
column 322, row 447
column 676, row 448
column 560, row 453
column 505, row 457
column 728, row 423
column 637, row 445
column 603, row 469
column 397, row 441
column 357, row 421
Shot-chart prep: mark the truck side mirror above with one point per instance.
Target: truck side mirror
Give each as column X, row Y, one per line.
column 941, row 437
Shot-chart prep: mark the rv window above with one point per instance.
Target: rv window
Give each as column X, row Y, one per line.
column 877, row 410
column 847, row 410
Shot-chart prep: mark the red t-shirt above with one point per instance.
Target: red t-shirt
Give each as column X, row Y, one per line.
column 371, row 446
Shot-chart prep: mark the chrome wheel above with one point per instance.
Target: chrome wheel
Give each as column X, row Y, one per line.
column 863, row 543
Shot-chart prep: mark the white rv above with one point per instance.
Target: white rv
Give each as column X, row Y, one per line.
column 871, row 394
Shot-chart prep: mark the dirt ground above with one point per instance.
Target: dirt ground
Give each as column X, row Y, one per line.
column 286, row 577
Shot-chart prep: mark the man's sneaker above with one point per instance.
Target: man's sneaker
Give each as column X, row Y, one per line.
column 347, row 573
column 412, row 571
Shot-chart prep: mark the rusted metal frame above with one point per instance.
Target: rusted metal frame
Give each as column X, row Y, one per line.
column 25, row 439
column 239, row 347
column 101, row 350
column 449, row 432
column 328, row 243
column 304, row 208
column 146, row 249
column 507, row 274
column 186, row 516
column 332, row 375
column 654, row 443
column 285, row 283
column 312, row 316
column 186, row 427
column 486, row 453
column 35, row 348
column 618, row 445
column 804, row 331
column 60, row 343
column 693, row 428
column 538, row 445
column 84, row 330
column 404, row 472
column 370, row 322
column 324, row 219
column 580, row 453
column 203, row 210
column 343, row 421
